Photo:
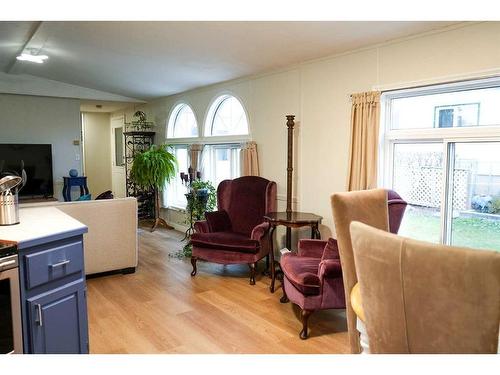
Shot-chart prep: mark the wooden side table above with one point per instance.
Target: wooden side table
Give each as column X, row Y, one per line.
column 69, row 182
column 289, row 220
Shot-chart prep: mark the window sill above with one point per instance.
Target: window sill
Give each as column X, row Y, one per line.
column 175, row 208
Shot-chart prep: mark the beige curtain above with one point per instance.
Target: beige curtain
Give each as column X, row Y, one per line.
column 195, row 156
column 249, row 159
column 365, row 114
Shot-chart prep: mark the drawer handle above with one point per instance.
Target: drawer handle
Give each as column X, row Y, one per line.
column 39, row 311
column 8, row 263
column 60, row 264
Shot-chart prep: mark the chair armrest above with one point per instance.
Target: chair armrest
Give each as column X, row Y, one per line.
column 201, row 226
column 330, row 268
column 311, row 248
column 259, row 231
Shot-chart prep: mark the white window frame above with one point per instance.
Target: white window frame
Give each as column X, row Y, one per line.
column 202, row 138
column 172, row 117
column 235, row 169
column 209, row 118
column 445, row 136
column 181, row 206
column 237, row 140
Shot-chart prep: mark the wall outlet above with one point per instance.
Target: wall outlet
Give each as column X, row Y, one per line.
column 77, row 157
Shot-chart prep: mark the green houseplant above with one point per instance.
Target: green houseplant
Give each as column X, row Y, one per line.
column 195, row 210
column 195, row 206
column 152, row 169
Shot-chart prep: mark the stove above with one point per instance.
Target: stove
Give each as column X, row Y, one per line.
column 7, row 248
column 10, row 300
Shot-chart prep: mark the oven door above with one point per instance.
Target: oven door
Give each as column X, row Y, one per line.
column 11, row 339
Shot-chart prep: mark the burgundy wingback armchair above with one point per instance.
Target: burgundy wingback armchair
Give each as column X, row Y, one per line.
column 313, row 276
column 236, row 233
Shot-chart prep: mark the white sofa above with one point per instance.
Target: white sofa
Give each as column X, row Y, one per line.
column 111, row 242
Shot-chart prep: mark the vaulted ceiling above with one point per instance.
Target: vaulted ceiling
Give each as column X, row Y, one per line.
column 143, row 60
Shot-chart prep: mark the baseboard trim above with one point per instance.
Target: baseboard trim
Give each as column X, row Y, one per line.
column 178, row 227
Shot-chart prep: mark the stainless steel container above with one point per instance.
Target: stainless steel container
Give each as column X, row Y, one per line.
column 9, row 209
column 9, row 202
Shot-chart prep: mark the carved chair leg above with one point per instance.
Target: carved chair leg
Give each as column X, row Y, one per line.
column 284, row 298
column 193, row 263
column 305, row 314
column 253, row 267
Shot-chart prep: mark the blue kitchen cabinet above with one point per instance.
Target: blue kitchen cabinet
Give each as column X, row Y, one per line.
column 53, row 296
column 57, row 321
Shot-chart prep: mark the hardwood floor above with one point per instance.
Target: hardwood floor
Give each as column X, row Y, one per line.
column 162, row 309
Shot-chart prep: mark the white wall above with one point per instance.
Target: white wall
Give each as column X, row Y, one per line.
column 97, row 151
column 56, row 121
column 25, row 84
column 318, row 92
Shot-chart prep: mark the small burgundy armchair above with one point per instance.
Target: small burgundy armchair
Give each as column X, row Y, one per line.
column 236, row 233
column 313, row 276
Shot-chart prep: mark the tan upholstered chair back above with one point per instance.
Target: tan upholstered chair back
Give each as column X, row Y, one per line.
column 426, row 298
column 367, row 206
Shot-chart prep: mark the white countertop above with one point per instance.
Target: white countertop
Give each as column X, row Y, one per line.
column 38, row 223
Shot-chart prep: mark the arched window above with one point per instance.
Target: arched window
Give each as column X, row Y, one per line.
column 182, row 122
column 226, row 117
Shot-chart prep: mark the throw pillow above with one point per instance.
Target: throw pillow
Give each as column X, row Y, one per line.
column 108, row 194
column 218, row 221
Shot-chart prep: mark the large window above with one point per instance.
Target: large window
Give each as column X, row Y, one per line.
column 441, row 152
column 182, row 122
column 226, row 127
column 174, row 193
column 181, row 126
column 226, row 117
column 221, row 162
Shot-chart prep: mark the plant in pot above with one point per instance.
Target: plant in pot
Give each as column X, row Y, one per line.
column 202, row 197
column 152, row 169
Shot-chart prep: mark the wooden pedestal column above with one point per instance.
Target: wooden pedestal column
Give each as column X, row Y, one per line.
column 290, row 123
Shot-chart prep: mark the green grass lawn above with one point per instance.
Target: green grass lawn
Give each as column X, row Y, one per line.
column 466, row 231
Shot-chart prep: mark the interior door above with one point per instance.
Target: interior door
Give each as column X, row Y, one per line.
column 58, row 321
column 118, row 157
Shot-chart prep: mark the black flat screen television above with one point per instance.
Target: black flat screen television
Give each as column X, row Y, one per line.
column 37, row 164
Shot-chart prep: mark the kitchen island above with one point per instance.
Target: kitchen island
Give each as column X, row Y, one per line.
column 38, row 223
column 51, row 279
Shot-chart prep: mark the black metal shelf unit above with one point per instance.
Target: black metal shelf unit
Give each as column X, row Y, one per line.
column 135, row 142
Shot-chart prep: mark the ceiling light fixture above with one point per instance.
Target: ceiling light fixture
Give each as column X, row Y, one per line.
column 26, row 56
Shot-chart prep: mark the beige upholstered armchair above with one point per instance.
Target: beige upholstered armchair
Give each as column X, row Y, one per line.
column 370, row 207
column 419, row 297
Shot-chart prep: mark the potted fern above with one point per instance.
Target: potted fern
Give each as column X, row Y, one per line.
column 153, row 169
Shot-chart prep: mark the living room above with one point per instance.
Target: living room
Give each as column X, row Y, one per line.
column 271, row 137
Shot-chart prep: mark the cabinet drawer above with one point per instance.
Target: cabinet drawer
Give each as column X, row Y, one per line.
column 53, row 264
